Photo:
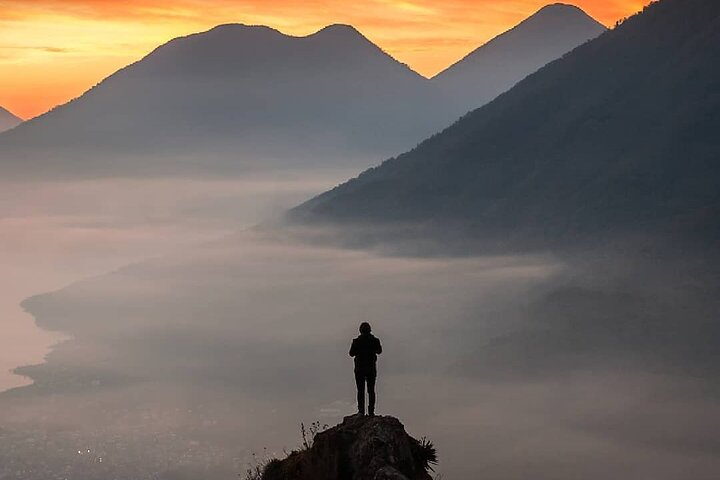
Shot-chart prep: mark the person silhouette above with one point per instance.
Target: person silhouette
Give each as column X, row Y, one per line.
column 365, row 349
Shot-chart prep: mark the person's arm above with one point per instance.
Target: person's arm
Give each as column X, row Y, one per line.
column 353, row 349
column 378, row 347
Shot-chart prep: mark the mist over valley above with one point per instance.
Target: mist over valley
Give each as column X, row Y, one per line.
column 189, row 248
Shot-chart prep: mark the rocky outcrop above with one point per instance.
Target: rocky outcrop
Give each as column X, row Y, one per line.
column 360, row 448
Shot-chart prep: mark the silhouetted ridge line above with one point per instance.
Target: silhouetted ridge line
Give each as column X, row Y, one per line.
column 617, row 136
column 8, row 120
column 244, row 97
column 543, row 37
column 237, row 97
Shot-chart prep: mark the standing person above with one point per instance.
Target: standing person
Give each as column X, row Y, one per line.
column 365, row 349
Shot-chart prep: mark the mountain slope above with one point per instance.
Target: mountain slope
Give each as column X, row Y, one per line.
column 8, row 120
column 496, row 66
column 236, row 96
column 619, row 135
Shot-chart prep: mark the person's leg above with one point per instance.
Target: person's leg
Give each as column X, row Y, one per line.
column 371, row 392
column 360, row 383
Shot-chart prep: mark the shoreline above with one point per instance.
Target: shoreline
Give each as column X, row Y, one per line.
column 24, row 344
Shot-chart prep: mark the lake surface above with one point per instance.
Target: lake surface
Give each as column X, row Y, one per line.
column 56, row 233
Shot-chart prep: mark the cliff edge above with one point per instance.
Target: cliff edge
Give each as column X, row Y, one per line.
column 360, row 448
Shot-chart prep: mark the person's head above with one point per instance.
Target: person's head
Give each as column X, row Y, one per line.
column 365, row 328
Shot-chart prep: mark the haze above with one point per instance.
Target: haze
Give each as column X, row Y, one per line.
column 54, row 233
column 189, row 248
column 202, row 357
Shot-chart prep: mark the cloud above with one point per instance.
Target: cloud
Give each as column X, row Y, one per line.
column 614, row 312
column 511, row 364
column 35, row 47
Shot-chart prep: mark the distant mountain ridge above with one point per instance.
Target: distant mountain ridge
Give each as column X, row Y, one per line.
column 618, row 136
column 8, row 120
column 238, row 98
column 496, row 66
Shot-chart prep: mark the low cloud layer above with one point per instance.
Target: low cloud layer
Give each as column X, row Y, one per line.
column 557, row 367
column 55, row 233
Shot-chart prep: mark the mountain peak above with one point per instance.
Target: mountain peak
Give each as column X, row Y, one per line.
column 342, row 35
column 240, row 26
column 339, row 29
column 230, row 36
column 560, row 7
column 548, row 34
column 562, row 12
column 234, row 29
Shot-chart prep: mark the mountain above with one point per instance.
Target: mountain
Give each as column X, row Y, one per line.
column 496, row 66
column 8, row 120
column 232, row 97
column 618, row 136
column 243, row 97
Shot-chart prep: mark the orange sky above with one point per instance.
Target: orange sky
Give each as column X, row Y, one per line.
column 53, row 50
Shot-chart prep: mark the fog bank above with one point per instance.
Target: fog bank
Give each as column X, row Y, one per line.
column 559, row 367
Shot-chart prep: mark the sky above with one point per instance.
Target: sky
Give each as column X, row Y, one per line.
column 52, row 51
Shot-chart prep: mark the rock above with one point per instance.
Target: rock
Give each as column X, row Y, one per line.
column 360, row 448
